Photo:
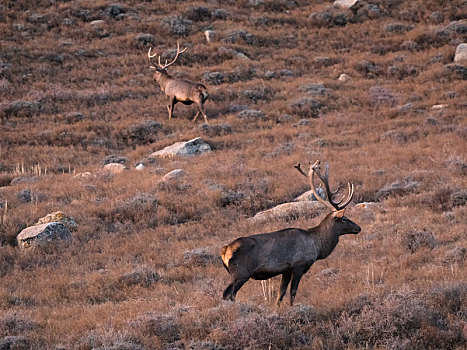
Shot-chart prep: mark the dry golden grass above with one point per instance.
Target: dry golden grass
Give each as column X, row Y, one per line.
column 143, row 270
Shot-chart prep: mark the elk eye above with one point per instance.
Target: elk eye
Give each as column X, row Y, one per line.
column 344, row 220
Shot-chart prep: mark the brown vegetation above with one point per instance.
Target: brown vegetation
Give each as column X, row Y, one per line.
column 142, row 271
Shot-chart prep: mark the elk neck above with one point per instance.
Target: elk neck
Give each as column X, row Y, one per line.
column 162, row 77
column 327, row 235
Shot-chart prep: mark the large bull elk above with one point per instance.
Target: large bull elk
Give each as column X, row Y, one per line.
column 289, row 252
column 178, row 90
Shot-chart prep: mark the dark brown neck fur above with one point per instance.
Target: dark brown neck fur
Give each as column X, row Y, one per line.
column 327, row 235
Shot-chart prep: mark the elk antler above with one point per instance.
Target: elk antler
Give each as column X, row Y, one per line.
column 316, row 168
column 164, row 66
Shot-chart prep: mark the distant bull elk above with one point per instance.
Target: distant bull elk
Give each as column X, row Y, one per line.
column 179, row 90
column 289, row 252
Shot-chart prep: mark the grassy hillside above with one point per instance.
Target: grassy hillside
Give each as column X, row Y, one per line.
column 143, row 269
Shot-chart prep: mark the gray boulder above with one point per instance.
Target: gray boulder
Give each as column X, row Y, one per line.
column 192, row 147
column 42, row 235
column 290, row 211
column 461, row 54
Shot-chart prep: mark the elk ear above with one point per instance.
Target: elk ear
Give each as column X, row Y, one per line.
column 338, row 214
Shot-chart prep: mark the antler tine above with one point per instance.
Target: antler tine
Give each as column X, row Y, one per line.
column 313, row 187
column 328, row 201
column 349, row 197
column 300, row 169
column 151, row 56
column 175, row 59
column 315, row 168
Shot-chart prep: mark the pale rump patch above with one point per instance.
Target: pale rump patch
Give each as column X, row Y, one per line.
column 228, row 251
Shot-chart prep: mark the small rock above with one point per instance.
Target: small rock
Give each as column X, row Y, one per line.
column 438, row 107
column 115, row 168
column 43, row 234
column 344, row 78
column 346, row 4
column 97, row 23
column 140, row 167
column 461, row 54
column 174, row 174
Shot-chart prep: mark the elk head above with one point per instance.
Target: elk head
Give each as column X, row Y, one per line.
column 162, row 68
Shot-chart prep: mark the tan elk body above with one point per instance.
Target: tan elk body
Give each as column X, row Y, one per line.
column 179, row 90
column 289, row 252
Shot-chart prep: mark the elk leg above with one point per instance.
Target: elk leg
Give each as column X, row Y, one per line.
column 286, row 276
column 200, row 106
column 196, row 116
column 294, row 285
column 232, row 289
column 227, row 295
column 170, row 107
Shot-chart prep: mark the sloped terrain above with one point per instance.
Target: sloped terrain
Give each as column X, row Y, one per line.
column 142, row 270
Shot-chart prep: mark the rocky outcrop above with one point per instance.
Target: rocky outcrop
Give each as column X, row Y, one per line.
column 43, row 235
column 192, row 147
column 290, row 211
